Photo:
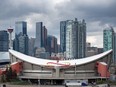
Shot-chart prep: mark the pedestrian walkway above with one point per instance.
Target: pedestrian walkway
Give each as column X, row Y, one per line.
column 7, row 85
column 33, row 86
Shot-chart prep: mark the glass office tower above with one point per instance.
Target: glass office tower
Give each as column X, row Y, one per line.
column 21, row 37
column 109, row 41
column 75, row 39
column 108, row 38
column 4, row 41
column 62, row 36
column 52, row 46
column 41, row 36
column 38, row 39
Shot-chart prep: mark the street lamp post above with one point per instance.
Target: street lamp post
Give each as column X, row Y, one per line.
column 39, row 84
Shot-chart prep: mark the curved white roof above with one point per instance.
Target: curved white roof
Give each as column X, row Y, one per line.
column 46, row 62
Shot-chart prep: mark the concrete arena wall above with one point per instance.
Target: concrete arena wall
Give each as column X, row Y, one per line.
column 85, row 71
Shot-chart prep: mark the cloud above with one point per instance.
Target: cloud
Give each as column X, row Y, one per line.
column 95, row 39
column 14, row 9
column 97, row 13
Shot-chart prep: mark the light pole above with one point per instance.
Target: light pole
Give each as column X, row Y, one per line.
column 39, row 83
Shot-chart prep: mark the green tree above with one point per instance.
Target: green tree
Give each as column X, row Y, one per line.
column 3, row 78
column 9, row 74
column 14, row 74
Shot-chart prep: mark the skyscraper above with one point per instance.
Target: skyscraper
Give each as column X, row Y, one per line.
column 38, row 39
column 31, row 46
column 71, row 40
column 81, row 35
column 114, row 49
column 63, row 36
column 41, row 35
column 108, row 38
column 44, row 37
column 21, row 27
column 23, row 44
column 21, row 37
column 4, row 41
column 109, row 41
column 75, row 39
column 52, row 46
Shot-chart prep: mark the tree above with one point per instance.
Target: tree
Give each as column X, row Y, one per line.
column 14, row 74
column 8, row 74
column 3, row 78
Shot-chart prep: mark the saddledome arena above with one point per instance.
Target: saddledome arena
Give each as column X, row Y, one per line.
column 47, row 71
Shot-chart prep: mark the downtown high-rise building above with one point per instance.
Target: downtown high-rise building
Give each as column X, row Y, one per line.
column 52, row 46
column 31, row 46
column 44, row 37
column 41, row 36
column 109, row 41
column 114, row 49
column 21, row 38
column 38, row 40
column 4, row 41
column 75, row 39
column 62, row 36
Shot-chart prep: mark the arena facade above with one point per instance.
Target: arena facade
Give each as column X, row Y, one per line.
column 47, row 71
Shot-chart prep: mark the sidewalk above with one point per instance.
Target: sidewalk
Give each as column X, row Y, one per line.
column 33, row 85
column 7, row 85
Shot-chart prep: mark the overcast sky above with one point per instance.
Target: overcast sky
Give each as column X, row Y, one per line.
column 98, row 14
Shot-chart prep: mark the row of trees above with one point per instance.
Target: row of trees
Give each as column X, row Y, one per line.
column 8, row 75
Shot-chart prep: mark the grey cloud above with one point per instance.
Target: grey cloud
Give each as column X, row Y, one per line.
column 9, row 10
column 98, row 12
column 51, row 14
